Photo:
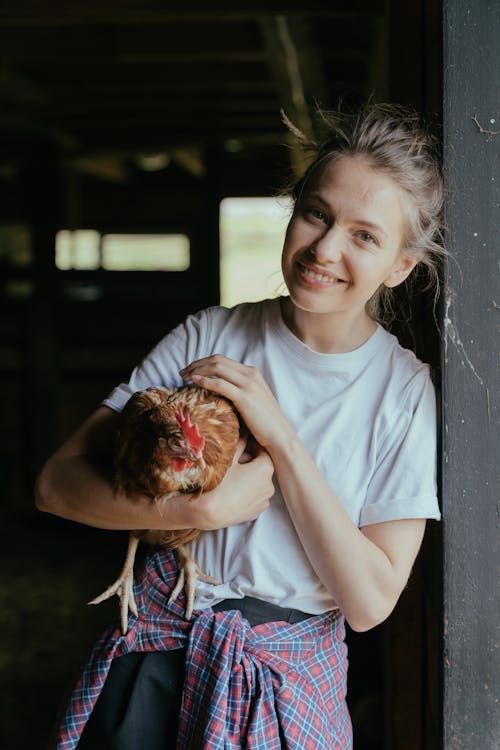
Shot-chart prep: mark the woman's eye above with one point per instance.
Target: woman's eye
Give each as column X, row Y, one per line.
column 367, row 237
column 316, row 213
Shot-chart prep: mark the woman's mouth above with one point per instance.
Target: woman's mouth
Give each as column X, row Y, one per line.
column 317, row 278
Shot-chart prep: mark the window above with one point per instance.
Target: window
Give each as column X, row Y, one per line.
column 16, row 261
column 78, row 250
column 88, row 250
column 16, row 249
column 251, row 239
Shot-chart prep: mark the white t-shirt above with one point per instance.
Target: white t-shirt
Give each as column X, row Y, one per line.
column 367, row 418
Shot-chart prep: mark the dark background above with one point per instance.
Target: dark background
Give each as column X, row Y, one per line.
column 86, row 88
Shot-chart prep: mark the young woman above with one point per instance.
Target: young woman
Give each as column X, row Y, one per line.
column 344, row 420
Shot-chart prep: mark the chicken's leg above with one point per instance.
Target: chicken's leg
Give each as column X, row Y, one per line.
column 189, row 573
column 123, row 586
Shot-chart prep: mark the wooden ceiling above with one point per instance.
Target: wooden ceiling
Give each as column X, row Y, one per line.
column 99, row 77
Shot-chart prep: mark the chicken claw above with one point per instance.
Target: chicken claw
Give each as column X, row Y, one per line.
column 123, row 587
column 189, row 573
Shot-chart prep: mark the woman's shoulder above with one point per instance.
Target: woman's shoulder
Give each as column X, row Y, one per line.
column 407, row 377
column 400, row 356
column 244, row 314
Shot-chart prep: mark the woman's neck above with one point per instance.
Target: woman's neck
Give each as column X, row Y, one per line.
column 327, row 333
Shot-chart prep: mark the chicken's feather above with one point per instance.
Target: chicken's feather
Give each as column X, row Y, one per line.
column 150, row 415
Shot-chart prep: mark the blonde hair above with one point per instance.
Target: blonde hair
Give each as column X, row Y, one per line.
column 394, row 140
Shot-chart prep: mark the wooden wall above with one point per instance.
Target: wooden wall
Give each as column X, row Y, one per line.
column 470, row 362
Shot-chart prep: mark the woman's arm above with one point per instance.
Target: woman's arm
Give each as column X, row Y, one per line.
column 364, row 570
column 76, row 483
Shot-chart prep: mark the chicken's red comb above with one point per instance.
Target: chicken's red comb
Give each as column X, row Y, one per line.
column 191, row 432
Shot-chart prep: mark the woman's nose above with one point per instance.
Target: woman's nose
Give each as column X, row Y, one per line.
column 328, row 248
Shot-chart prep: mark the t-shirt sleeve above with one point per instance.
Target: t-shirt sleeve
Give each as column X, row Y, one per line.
column 190, row 340
column 403, row 484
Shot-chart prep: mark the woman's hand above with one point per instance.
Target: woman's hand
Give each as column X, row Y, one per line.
column 247, row 389
column 242, row 495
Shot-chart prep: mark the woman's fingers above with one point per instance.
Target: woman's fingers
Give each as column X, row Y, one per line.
column 218, row 385
column 246, row 388
column 240, row 450
column 247, row 450
column 242, row 496
column 218, row 366
column 242, row 384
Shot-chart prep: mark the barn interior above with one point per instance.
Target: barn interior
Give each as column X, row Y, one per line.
column 132, row 118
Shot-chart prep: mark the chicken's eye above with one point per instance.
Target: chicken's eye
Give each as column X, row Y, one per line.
column 174, row 441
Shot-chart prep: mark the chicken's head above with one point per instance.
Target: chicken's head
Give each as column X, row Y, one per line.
column 183, row 444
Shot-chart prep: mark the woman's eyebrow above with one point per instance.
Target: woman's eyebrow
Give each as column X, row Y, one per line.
column 317, row 197
column 365, row 222
column 370, row 224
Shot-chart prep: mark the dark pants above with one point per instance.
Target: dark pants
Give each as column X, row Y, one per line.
column 138, row 708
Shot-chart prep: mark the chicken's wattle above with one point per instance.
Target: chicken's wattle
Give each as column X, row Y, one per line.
column 180, row 464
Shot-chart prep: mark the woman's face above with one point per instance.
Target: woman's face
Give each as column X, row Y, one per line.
column 344, row 238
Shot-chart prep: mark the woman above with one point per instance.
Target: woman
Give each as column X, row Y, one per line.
column 345, row 420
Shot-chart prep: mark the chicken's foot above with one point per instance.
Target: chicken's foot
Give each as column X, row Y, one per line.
column 123, row 586
column 189, row 573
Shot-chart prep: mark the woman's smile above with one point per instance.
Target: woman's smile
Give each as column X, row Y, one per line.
column 316, row 276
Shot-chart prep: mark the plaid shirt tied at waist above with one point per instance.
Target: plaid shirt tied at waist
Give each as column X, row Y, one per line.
column 242, row 684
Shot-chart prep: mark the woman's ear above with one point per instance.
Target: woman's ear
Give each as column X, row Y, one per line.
column 401, row 270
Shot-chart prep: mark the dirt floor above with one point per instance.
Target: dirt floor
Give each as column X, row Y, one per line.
column 49, row 569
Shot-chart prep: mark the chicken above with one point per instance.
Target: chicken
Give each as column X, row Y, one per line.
column 170, row 441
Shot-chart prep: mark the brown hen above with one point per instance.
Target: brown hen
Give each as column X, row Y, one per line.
column 170, row 440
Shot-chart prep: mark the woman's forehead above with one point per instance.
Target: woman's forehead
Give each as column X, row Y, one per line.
column 329, row 169
column 354, row 178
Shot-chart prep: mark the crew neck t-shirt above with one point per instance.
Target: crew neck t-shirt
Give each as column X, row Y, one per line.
column 367, row 418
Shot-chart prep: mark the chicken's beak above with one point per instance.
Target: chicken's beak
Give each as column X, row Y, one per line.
column 196, row 455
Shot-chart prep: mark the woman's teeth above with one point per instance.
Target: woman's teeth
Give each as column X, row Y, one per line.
column 318, row 276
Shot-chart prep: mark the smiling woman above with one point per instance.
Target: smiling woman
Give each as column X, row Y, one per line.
column 323, row 520
column 343, row 242
column 380, row 138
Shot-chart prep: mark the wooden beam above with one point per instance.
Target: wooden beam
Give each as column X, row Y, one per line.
column 42, row 196
column 112, row 44
column 284, row 65
column 289, row 69
column 471, row 394
column 133, row 11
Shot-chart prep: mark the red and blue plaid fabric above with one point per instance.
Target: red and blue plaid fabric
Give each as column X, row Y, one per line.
column 243, row 686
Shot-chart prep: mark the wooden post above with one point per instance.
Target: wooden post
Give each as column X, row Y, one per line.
column 471, row 394
column 208, row 234
column 414, row 631
column 42, row 195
